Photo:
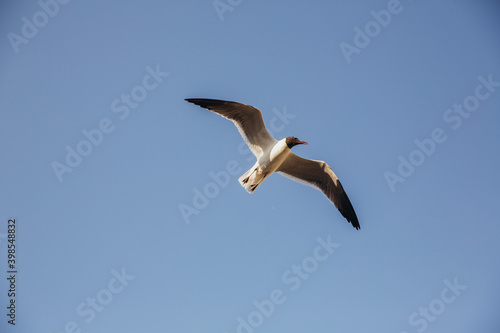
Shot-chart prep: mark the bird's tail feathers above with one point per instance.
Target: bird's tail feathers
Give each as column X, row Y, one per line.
column 251, row 179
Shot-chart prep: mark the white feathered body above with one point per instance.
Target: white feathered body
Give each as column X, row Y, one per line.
column 266, row 164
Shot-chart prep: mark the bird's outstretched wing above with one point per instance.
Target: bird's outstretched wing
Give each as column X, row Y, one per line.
column 318, row 174
column 247, row 119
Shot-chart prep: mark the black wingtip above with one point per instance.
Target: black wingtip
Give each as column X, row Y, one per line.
column 208, row 103
column 203, row 102
column 354, row 221
column 350, row 215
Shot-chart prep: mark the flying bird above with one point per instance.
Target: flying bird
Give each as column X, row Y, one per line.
column 276, row 156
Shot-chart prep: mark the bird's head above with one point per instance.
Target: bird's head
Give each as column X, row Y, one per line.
column 293, row 141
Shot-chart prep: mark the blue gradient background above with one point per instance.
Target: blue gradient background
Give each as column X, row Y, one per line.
column 119, row 209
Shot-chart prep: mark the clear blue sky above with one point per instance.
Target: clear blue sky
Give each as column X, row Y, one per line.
column 100, row 154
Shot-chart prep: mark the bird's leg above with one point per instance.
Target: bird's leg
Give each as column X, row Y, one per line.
column 244, row 181
column 254, row 186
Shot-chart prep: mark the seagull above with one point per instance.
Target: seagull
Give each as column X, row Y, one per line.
column 276, row 156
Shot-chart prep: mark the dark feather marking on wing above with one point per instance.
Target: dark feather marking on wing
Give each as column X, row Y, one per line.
column 319, row 177
column 244, row 116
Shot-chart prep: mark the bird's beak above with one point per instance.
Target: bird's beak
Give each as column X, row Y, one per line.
column 303, row 142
